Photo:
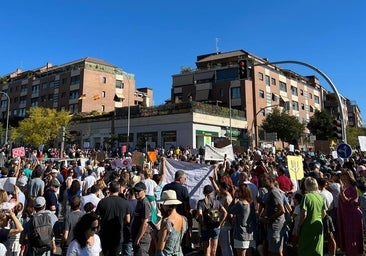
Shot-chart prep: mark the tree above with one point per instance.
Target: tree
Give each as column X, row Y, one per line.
column 352, row 135
column 321, row 125
column 42, row 126
column 288, row 128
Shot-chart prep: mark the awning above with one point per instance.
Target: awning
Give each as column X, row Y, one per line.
column 118, row 97
column 202, row 95
column 204, row 76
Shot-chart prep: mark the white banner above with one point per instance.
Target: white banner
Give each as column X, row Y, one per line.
column 218, row 154
column 197, row 178
column 362, row 141
column 8, row 184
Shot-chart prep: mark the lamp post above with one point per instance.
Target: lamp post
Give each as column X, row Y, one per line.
column 7, row 117
column 231, row 132
column 253, row 129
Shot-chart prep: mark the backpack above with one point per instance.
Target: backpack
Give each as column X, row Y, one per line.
column 41, row 233
column 211, row 216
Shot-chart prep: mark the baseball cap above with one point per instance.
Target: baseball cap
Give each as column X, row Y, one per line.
column 140, row 186
column 39, row 202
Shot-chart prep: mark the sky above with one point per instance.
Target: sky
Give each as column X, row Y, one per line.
column 154, row 39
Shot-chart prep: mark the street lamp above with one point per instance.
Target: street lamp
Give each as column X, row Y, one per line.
column 231, row 132
column 253, row 129
column 7, row 117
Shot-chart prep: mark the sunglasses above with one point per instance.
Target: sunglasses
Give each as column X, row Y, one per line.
column 94, row 228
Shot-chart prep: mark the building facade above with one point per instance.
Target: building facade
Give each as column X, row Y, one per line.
column 83, row 85
column 242, row 81
column 188, row 124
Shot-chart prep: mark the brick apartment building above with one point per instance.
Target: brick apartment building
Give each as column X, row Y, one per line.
column 83, row 85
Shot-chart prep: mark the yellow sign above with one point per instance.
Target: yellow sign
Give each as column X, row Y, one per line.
column 295, row 167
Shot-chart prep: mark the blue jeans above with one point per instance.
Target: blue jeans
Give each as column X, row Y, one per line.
column 127, row 249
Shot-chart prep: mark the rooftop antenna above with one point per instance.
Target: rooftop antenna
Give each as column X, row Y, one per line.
column 217, row 45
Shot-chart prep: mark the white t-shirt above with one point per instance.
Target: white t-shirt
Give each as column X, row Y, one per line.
column 89, row 198
column 2, row 250
column 89, row 181
column 150, row 186
column 74, row 248
column 328, row 197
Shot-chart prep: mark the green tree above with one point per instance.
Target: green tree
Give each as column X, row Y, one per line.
column 321, row 125
column 352, row 135
column 42, row 126
column 288, row 128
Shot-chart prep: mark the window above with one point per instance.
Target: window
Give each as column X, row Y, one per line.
column 104, row 80
column 74, row 94
column 44, row 86
column 302, row 106
column 261, row 93
column 311, row 109
column 283, row 87
column 227, row 74
column 273, row 81
column 23, row 100
column 103, row 94
column 52, row 84
column 316, row 99
column 310, row 96
column 75, row 80
column 119, row 84
column 34, row 102
column 295, row 105
column 4, row 103
column 235, row 93
column 260, row 76
column 301, row 92
column 22, row 112
column 294, row 90
column 274, row 97
column 267, row 80
column 221, row 92
column 64, row 81
column 24, row 88
column 35, row 88
column 103, row 108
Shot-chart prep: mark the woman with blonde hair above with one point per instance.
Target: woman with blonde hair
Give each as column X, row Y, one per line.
column 349, row 225
column 313, row 209
column 150, row 192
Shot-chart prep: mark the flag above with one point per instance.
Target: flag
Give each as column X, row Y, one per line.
column 96, row 97
column 82, row 97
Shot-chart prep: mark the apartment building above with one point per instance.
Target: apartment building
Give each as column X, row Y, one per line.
column 242, row 81
column 83, row 85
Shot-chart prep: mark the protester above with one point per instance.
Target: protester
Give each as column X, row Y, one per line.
column 244, row 220
column 313, row 209
column 209, row 234
column 114, row 213
column 350, row 233
column 140, row 230
column 172, row 228
column 86, row 241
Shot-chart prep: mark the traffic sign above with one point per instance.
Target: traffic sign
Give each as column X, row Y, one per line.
column 344, row 150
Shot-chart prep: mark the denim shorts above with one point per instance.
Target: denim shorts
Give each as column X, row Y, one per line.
column 207, row 234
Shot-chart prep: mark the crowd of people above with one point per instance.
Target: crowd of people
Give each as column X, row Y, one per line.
column 97, row 209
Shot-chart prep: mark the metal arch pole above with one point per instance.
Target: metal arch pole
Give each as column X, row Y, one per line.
column 7, row 117
column 231, row 133
column 344, row 137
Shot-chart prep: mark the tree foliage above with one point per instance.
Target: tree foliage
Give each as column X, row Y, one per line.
column 321, row 125
column 352, row 135
column 288, row 128
column 42, row 126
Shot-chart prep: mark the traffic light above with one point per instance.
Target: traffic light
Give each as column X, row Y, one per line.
column 243, row 69
column 337, row 129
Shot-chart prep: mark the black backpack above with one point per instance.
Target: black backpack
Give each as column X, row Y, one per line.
column 211, row 215
column 41, row 233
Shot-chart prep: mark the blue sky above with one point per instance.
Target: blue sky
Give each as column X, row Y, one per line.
column 153, row 39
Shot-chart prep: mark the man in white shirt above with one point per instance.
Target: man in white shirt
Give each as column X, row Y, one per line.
column 93, row 197
column 89, row 181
